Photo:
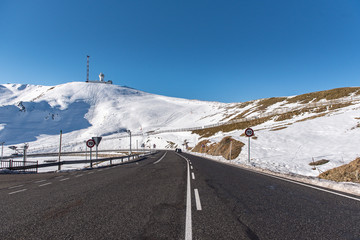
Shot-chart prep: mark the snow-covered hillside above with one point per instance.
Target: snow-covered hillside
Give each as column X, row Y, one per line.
column 82, row 110
column 290, row 132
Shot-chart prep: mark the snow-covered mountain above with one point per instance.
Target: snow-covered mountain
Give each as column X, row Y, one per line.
column 290, row 132
column 32, row 113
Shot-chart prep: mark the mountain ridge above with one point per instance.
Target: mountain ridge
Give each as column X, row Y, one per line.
column 36, row 114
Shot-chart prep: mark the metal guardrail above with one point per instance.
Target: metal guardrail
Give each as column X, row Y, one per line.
column 9, row 165
column 27, row 166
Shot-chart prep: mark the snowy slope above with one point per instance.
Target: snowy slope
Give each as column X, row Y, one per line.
column 36, row 114
column 82, row 110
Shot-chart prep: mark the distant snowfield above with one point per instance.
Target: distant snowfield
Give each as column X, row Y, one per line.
column 36, row 114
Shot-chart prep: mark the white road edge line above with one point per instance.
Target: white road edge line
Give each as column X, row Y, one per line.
column 44, row 184
column 22, row 190
column 15, row 186
column 309, row 186
column 188, row 223
column 64, row 179
column 288, row 180
column 160, row 158
column 197, row 200
column 193, row 176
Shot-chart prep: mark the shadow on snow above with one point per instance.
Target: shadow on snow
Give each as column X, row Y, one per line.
column 28, row 121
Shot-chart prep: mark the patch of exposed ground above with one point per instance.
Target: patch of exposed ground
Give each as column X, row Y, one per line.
column 171, row 144
column 318, row 163
column 267, row 102
column 207, row 132
column 328, row 95
column 228, row 148
column 321, row 111
column 345, row 173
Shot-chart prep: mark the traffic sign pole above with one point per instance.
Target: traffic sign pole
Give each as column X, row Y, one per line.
column 249, row 133
column 90, row 143
column 97, row 141
column 91, row 158
column 249, row 150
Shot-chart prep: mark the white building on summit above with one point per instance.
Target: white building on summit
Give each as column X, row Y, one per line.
column 101, row 75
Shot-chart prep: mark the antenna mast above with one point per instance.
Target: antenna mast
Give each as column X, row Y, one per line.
column 87, row 69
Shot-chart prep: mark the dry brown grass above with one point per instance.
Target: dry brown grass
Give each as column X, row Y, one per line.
column 277, row 129
column 344, row 173
column 265, row 103
column 207, row 132
column 328, row 95
column 320, row 162
column 243, row 114
column 201, row 147
column 290, row 115
column 220, row 149
column 238, row 106
column 170, row 144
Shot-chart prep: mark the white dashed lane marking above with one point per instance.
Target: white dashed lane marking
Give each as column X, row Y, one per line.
column 193, row 176
column 197, row 200
column 22, row 190
column 15, row 186
column 42, row 185
column 64, row 179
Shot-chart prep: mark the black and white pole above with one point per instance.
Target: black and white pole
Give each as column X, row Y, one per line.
column 91, row 163
column 249, row 133
column 26, row 146
column 87, row 69
column 129, row 132
column 2, row 150
column 59, row 166
column 85, row 151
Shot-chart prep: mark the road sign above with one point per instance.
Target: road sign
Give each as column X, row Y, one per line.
column 249, row 132
column 90, row 143
column 97, row 140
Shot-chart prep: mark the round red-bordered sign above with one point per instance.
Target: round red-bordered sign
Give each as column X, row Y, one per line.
column 90, row 143
column 249, row 132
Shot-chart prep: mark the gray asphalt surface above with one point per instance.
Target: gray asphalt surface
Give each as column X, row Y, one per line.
column 136, row 201
column 147, row 200
column 234, row 199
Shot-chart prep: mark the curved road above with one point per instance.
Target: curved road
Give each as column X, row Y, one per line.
column 171, row 196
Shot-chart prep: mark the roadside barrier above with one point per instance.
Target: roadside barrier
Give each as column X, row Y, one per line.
column 33, row 166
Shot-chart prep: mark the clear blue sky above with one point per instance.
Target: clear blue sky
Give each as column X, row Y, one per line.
column 227, row 51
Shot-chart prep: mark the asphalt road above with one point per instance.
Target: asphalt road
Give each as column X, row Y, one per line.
column 170, row 196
